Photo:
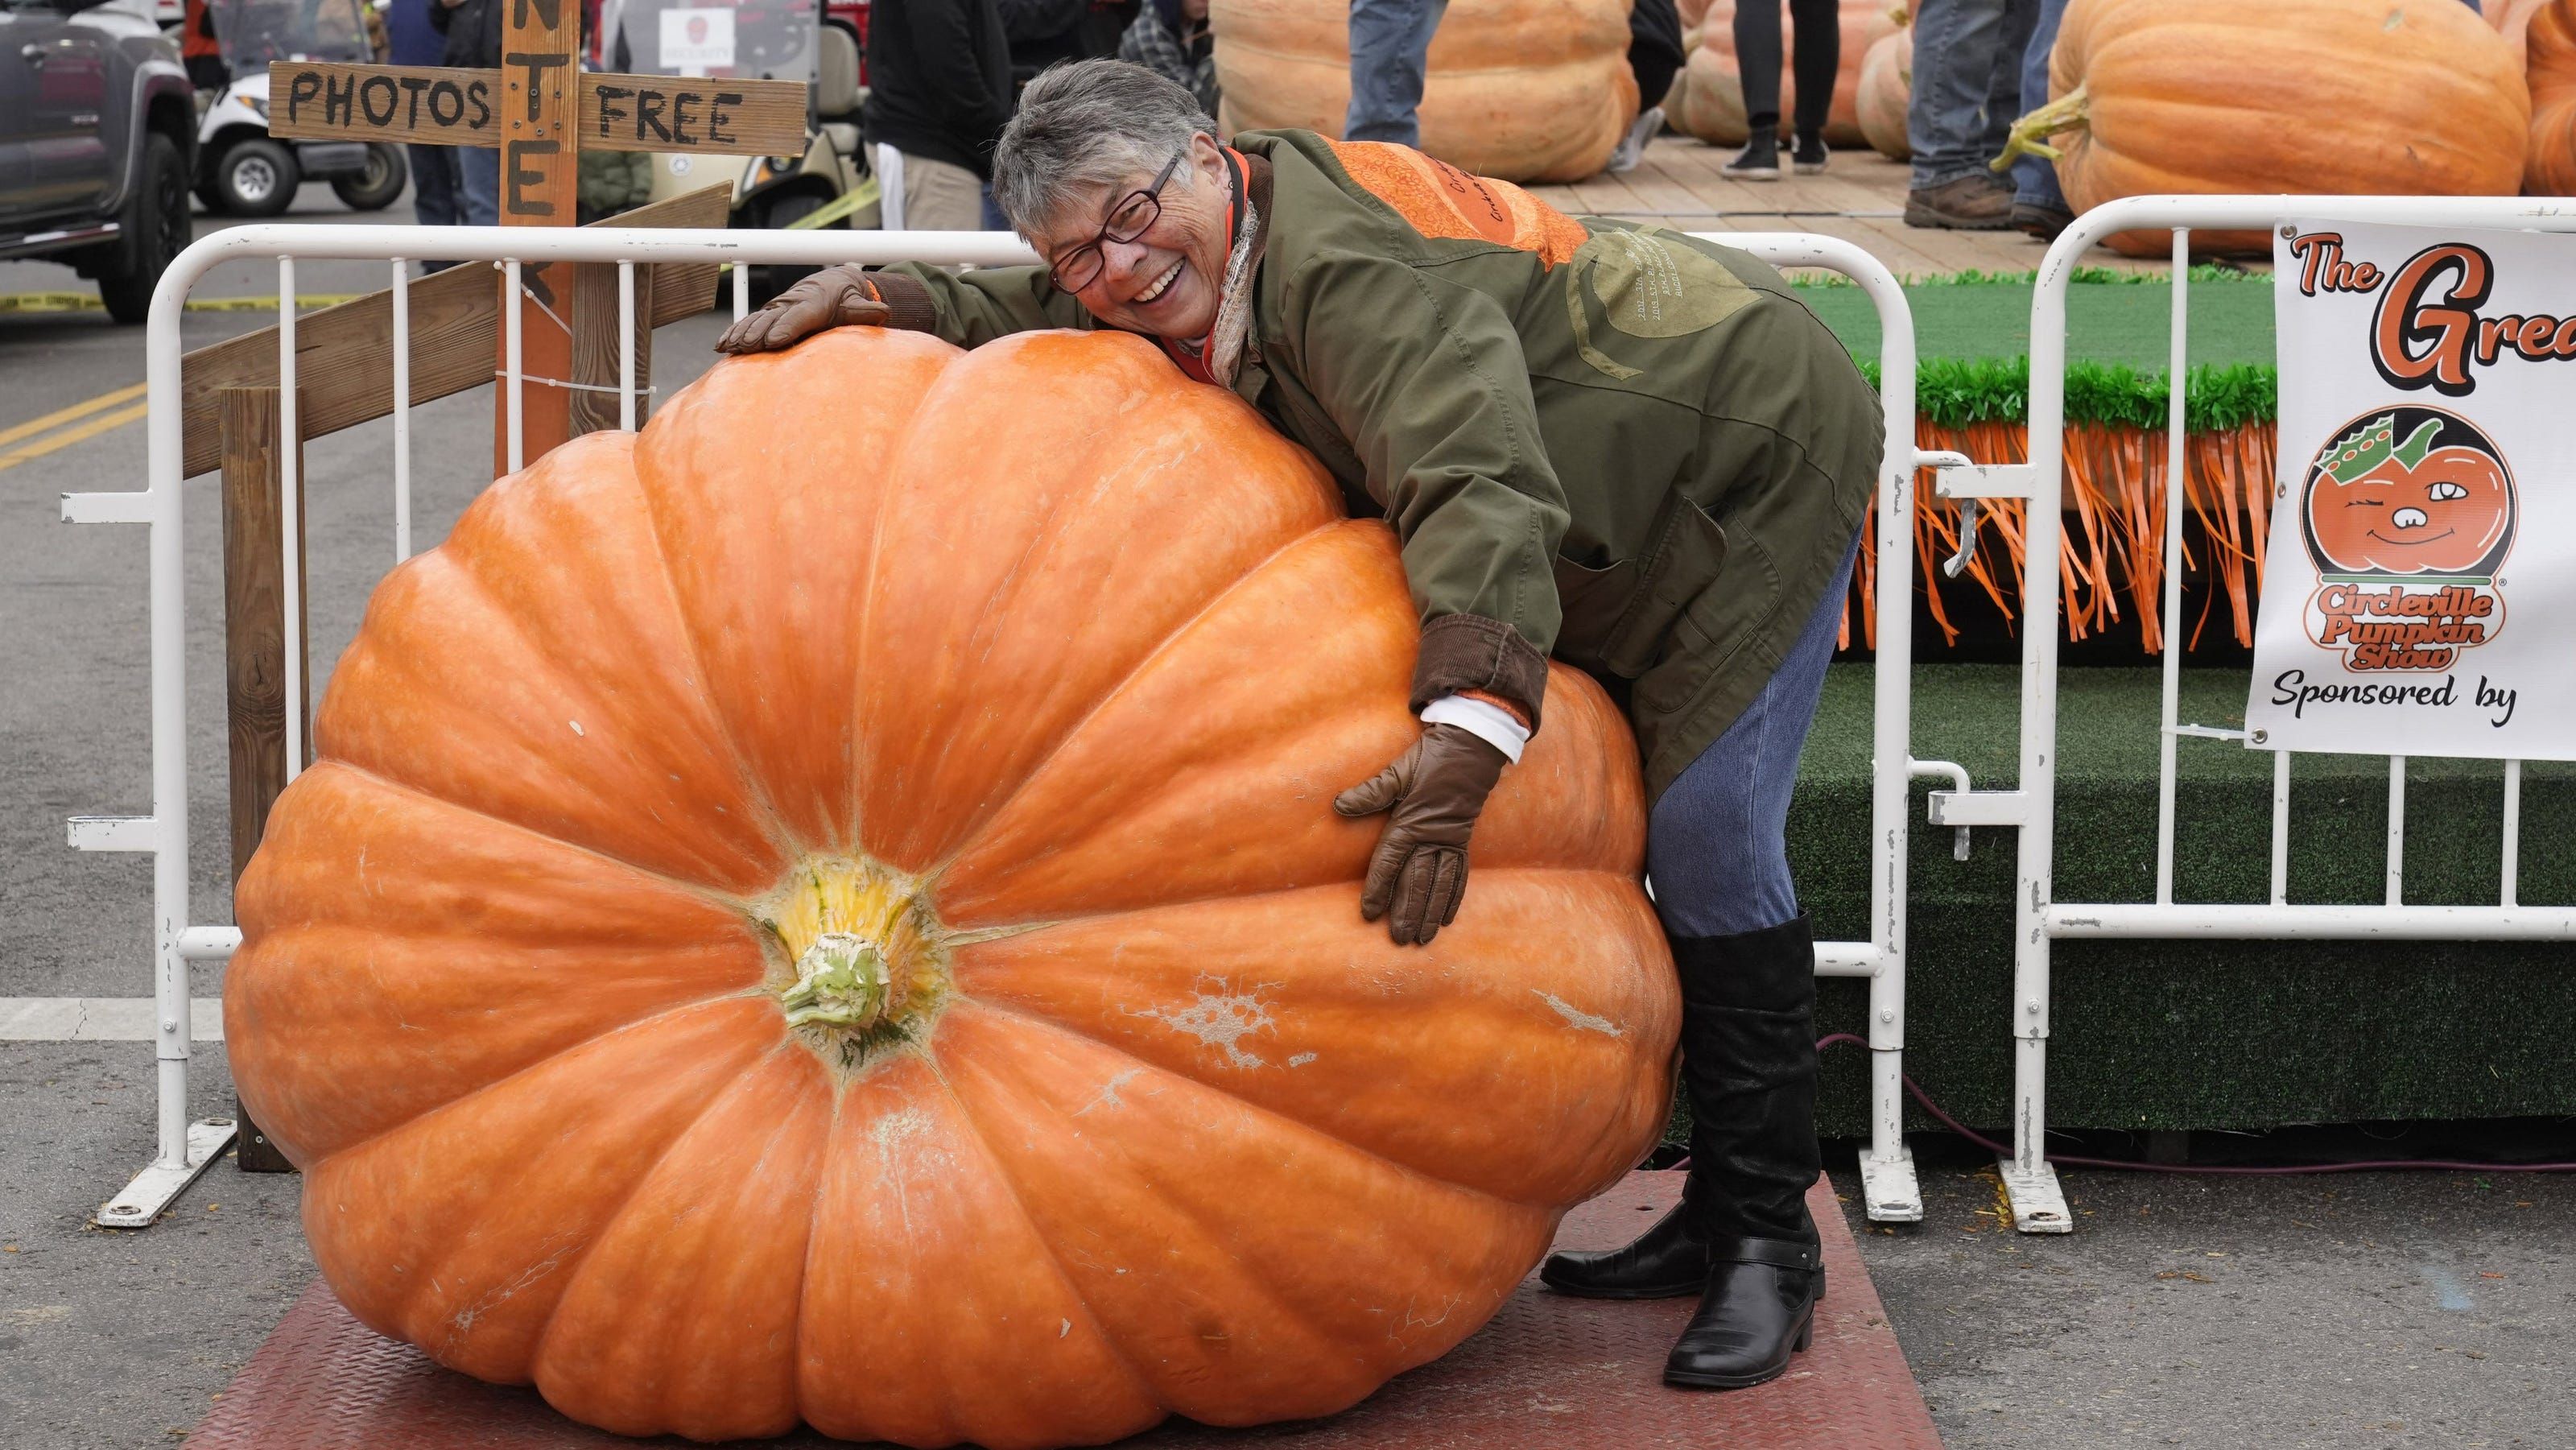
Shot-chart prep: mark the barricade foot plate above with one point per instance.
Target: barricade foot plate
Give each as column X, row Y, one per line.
column 2038, row 1204
column 1549, row 1373
column 1888, row 1188
column 154, row 1187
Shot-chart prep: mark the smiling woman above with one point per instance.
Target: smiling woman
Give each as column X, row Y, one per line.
column 1625, row 447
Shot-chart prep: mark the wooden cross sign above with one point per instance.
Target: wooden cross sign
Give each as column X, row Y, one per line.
column 540, row 112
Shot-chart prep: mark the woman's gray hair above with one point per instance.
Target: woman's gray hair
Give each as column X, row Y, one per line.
column 1084, row 125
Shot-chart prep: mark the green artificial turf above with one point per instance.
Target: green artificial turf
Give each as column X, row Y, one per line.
column 2193, row 1034
column 2115, row 323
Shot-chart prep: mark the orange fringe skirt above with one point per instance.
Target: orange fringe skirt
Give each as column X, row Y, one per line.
column 2111, row 567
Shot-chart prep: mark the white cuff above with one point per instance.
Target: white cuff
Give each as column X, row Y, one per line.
column 1490, row 723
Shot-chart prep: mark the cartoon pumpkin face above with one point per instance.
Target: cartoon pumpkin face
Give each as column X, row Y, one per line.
column 2405, row 507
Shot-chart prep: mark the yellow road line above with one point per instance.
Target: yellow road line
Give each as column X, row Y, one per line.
column 77, row 410
column 85, row 302
column 70, row 436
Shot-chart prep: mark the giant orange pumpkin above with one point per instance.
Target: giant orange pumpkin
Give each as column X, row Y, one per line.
column 2335, row 97
column 2550, row 169
column 831, row 909
column 1523, row 90
column 1886, row 94
column 2387, row 504
column 1711, row 91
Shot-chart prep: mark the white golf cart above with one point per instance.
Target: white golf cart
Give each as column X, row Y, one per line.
column 241, row 170
column 827, row 186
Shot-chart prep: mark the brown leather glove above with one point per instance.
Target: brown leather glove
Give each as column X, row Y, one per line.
column 1437, row 787
column 834, row 297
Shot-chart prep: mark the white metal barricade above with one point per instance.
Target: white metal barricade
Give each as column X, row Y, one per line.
column 186, row 1148
column 2037, row 1203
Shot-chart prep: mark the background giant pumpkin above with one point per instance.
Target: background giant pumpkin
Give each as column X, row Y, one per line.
column 1886, row 91
column 1523, row 90
column 845, row 921
column 2312, row 97
column 2550, row 169
column 1711, row 94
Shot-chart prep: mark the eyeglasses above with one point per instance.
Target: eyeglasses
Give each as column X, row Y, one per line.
column 1128, row 220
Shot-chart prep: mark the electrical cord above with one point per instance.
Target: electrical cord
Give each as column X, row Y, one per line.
column 2213, row 1170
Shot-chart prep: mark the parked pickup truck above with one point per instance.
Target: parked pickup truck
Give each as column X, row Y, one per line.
column 98, row 129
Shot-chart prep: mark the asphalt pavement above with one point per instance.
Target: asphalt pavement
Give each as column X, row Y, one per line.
column 2375, row 1310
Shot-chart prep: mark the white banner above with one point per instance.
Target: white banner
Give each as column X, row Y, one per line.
column 2419, row 595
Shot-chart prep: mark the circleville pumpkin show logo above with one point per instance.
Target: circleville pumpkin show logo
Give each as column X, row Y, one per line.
column 2408, row 515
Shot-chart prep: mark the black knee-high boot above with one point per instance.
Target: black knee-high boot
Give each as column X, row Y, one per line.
column 1749, row 1065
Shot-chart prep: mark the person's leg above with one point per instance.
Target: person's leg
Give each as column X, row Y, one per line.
column 2003, row 104
column 1757, row 76
column 1945, row 122
column 1757, row 60
column 1390, row 40
column 939, row 197
column 1717, row 856
column 435, row 199
column 1818, row 26
column 1717, row 853
column 479, row 177
column 2039, row 207
column 433, row 189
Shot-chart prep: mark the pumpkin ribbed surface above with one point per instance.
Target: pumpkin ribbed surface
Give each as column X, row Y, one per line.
column 1886, row 93
column 2550, row 169
column 1521, row 90
column 831, row 909
column 2313, row 97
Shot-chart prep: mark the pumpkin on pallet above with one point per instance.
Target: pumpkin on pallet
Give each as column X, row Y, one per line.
column 1520, row 90
column 1887, row 90
column 2311, row 97
column 847, row 924
column 2550, row 169
column 1710, row 94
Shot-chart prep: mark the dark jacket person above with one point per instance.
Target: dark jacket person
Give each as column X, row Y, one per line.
column 939, row 92
column 1613, row 443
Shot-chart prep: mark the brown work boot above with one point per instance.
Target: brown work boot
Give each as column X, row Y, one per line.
column 1975, row 203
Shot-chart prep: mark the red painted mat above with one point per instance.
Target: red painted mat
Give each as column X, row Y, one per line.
column 1549, row 1372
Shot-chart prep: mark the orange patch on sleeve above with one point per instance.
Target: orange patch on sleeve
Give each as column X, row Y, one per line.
column 1439, row 200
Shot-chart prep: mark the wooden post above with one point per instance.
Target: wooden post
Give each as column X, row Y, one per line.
column 594, row 345
column 540, row 187
column 255, row 644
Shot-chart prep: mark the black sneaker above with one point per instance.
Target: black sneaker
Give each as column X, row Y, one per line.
column 1760, row 158
column 1808, row 157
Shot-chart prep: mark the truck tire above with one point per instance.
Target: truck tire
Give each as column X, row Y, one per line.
column 156, row 229
column 377, row 187
column 256, row 177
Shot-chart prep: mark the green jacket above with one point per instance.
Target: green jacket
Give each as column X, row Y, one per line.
column 1648, row 459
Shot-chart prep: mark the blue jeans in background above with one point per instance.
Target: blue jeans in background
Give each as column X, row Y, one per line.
column 1389, row 40
column 480, row 174
column 2034, row 179
column 1717, row 844
column 1967, row 84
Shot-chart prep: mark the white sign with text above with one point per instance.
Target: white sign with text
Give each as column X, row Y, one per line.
column 2419, row 595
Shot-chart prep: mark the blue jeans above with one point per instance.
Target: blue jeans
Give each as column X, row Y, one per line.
column 1717, row 842
column 481, row 170
column 1389, row 40
column 2034, row 179
column 1967, row 84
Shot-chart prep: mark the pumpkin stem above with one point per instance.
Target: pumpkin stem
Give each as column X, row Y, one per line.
column 2069, row 112
column 841, row 981
column 862, row 960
